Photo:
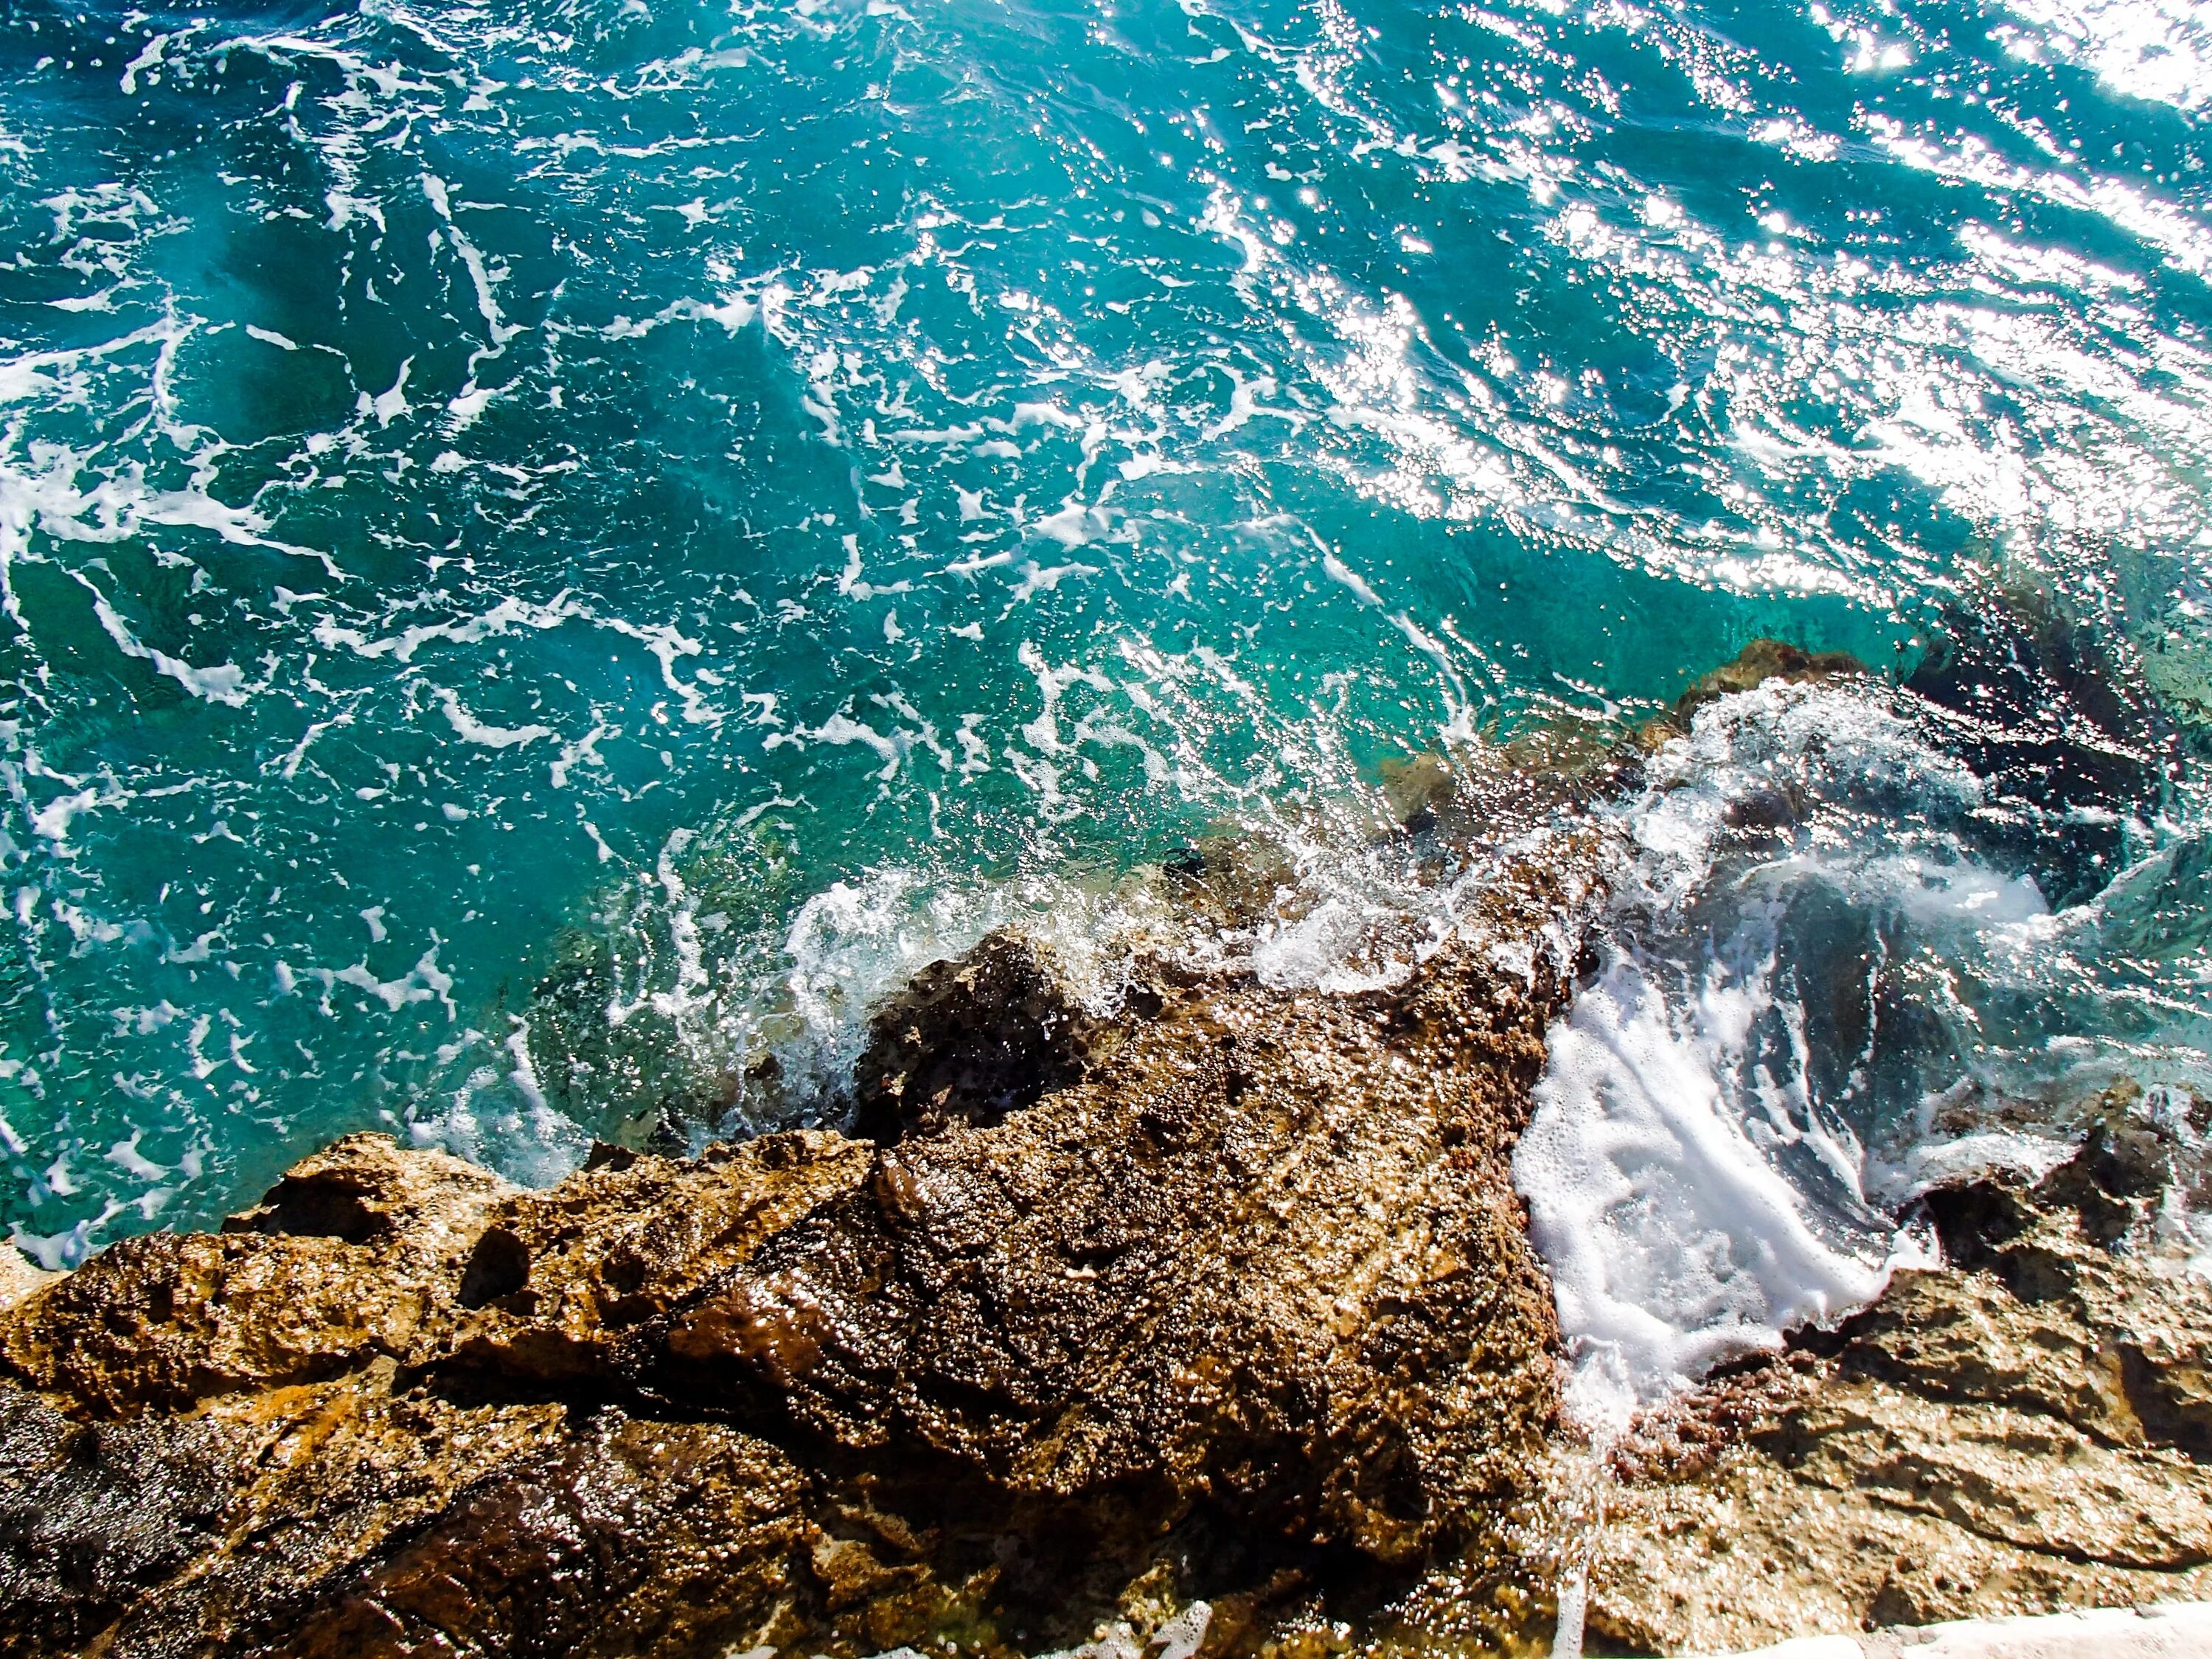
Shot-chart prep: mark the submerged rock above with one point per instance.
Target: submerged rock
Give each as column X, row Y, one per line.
column 1207, row 1327
column 1762, row 660
column 2069, row 741
column 2028, row 1430
column 1204, row 1315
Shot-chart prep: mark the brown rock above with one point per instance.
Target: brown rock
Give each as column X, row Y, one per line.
column 1214, row 1323
column 363, row 1189
column 352, row 1256
column 1758, row 662
column 968, row 1042
column 1232, row 878
column 1250, row 1296
column 558, row 1277
column 1267, row 1255
column 2017, row 1436
column 93, row 1516
column 168, row 1319
column 343, row 1519
column 623, row 1538
column 1487, row 791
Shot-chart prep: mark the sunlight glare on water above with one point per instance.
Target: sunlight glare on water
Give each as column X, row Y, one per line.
column 553, row 552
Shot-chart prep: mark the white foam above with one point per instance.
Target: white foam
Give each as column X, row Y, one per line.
column 500, row 1117
column 1703, row 1172
column 1673, row 1243
column 470, row 729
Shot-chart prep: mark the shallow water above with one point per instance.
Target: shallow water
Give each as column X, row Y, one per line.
column 552, row 551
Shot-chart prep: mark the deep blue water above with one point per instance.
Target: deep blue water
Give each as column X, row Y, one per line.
column 551, row 549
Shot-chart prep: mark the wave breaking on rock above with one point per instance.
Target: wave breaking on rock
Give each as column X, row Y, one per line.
column 1206, row 1317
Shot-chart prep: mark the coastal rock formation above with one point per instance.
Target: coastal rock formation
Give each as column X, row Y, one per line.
column 1223, row 1307
column 1754, row 666
column 278, row 1298
column 558, row 1281
column 1352, row 1346
column 19, row 1278
column 1205, row 1325
column 2028, row 1429
column 971, row 1040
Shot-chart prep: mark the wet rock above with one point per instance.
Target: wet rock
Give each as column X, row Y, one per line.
column 354, row 1254
column 559, row 1277
column 1239, row 1299
column 1486, row 791
column 260, row 1443
column 624, row 1537
column 1756, row 663
column 1761, row 660
column 95, row 1517
column 2019, row 1434
column 1267, row 1257
column 166, row 1321
column 1417, row 788
column 348, row 1519
column 1231, row 879
column 295, row 1487
column 968, row 1042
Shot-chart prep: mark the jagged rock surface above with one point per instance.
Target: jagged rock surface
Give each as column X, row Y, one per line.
column 968, row 1042
column 1210, row 1328
column 1351, row 1342
column 2027, row 1430
column 1243, row 1298
column 1762, row 660
column 556, row 1282
column 280, row 1296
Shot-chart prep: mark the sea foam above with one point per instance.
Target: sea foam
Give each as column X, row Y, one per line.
column 1817, row 988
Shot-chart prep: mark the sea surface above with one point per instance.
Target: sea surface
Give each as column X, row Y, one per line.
column 552, row 551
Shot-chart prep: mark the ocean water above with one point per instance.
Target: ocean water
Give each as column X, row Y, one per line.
column 552, row 551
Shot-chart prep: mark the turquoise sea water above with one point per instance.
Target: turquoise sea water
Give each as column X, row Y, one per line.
column 550, row 549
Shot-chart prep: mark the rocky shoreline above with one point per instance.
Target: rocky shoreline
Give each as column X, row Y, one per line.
column 1211, row 1328
column 1247, row 1313
column 2026, row 1429
column 1169, row 1361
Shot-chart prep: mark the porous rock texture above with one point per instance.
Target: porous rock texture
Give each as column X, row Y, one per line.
column 1232, row 1304
column 2027, row 1429
column 19, row 1277
column 971, row 1041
